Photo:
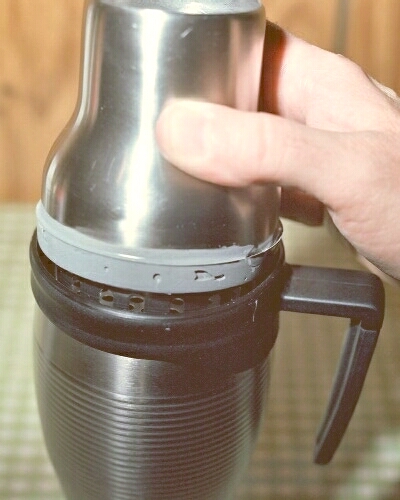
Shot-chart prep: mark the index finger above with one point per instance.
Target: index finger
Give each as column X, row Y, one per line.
column 313, row 86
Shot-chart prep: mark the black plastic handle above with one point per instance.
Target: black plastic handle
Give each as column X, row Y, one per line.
column 350, row 294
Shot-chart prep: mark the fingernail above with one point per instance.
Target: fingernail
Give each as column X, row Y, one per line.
column 181, row 134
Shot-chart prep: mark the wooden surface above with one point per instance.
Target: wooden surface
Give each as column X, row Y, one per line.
column 39, row 61
column 39, row 64
column 373, row 38
column 313, row 20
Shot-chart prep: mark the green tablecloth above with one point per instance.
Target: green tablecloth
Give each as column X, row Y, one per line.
column 367, row 465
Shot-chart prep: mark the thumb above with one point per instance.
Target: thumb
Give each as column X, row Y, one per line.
column 235, row 148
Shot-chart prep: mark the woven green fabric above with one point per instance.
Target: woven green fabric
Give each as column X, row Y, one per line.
column 367, row 465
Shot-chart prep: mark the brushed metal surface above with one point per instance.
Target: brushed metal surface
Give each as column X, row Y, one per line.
column 122, row 428
column 105, row 176
column 198, row 6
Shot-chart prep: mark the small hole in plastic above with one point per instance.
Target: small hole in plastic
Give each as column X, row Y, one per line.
column 136, row 304
column 76, row 285
column 106, row 298
column 203, row 276
column 177, row 306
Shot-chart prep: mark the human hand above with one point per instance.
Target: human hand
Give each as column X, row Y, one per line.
column 328, row 130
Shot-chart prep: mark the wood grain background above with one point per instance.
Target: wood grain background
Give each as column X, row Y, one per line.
column 39, row 66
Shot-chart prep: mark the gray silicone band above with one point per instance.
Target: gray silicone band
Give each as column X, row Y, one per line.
column 147, row 270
